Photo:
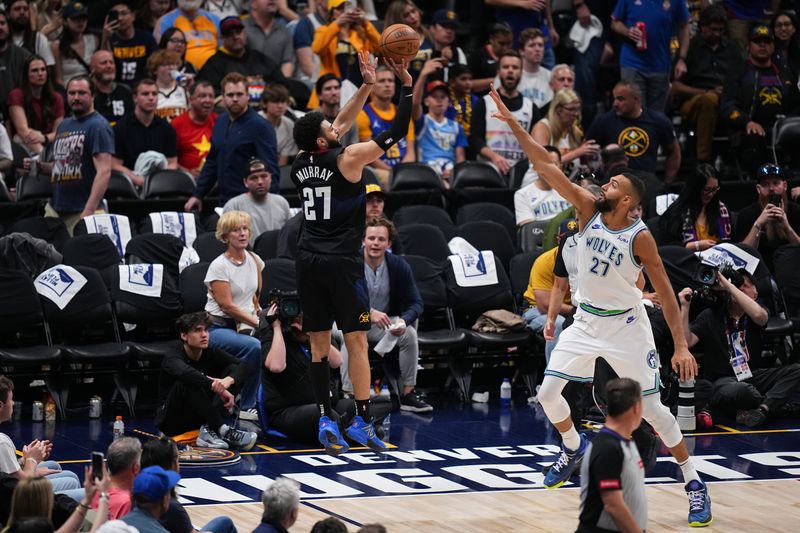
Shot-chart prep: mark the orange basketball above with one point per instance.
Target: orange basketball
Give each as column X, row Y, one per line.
column 400, row 41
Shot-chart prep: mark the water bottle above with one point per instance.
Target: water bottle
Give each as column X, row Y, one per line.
column 686, row 418
column 385, row 394
column 505, row 392
column 119, row 428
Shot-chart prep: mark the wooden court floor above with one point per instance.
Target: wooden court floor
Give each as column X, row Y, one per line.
column 753, row 506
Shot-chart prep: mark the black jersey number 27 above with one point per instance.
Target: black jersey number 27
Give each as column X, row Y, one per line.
column 315, row 198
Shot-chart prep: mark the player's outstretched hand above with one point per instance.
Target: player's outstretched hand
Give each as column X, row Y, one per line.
column 367, row 63
column 400, row 70
column 502, row 112
column 684, row 364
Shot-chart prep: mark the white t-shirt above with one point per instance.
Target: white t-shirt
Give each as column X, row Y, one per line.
column 267, row 216
column 532, row 203
column 8, row 456
column 42, row 48
column 243, row 280
column 535, row 86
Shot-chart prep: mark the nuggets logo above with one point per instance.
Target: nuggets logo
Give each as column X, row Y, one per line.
column 635, row 141
column 652, row 359
column 770, row 96
column 572, row 225
column 363, row 318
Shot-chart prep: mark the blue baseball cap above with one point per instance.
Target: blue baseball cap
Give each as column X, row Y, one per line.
column 154, row 482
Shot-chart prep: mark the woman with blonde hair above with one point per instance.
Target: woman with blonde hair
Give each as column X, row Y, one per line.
column 234, row 283
column 33, row 498
column 560, row 128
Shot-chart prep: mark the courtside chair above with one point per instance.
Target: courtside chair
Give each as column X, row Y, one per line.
column 208, row 247
column 50, row 229
column 194, row 292
column 168, row 184
column 425, row 214
column 488, row 211
column 488, row 235
column 425, row 240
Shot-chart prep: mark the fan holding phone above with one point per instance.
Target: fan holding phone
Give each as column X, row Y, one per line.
column 773, row 220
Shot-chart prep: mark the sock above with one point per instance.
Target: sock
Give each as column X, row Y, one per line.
column 362, row 409
column 572, row 440
column 223, row 430
column 689, row 473
column 320, row 376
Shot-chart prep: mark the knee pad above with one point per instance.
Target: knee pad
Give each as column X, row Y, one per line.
column 658, row 415
column 555, row 406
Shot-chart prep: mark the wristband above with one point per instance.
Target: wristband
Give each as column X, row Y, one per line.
column 83, row 506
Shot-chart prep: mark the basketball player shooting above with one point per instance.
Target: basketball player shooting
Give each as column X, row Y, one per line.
column 329, row 264
column 611, row 321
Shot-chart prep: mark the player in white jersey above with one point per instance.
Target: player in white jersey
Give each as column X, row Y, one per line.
column 611, row 321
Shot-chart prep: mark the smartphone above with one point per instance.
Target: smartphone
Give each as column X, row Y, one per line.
column 775, row 199
column 113, row 15
column 97, row 465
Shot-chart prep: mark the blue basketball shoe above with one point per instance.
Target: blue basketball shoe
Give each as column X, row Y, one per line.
column 699, row 504
column 330, row 437
column 364, row 434
column 565, row 465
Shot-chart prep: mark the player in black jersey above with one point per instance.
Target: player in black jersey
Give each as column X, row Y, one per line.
column 330, row 267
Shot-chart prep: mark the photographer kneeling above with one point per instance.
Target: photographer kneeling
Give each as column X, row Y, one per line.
column 288, row 397
column 729, row 335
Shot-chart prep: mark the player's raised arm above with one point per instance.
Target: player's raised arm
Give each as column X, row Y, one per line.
column 347, row 115
column 582, row 199
column 356, row 156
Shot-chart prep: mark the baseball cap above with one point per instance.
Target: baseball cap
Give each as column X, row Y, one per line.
column 761, row 32
column 336, row 3
column 436, row 84
column 154, row 482
column 374, row 188
column 567, row 228
column 75, row 9
column 445, row 17
column 230, row 24
column 256, row 165
column 770, row 171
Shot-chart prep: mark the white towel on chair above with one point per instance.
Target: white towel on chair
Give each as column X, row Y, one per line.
column 115, row 227
column 142, row 278
column 59, row 284
column 471, row 267
column 181, row 225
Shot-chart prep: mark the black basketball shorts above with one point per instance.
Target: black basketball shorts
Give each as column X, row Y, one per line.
column 332, row 287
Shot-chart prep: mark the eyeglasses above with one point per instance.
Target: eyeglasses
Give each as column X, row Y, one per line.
column 784, row 25
column 573, row 110
column 710, row 190
column 177, row 40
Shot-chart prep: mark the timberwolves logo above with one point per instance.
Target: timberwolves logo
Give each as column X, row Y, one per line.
column 363, row 318
column 634, row 141
column 652, row 359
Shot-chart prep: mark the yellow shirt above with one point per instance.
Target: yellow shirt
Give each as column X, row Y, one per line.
column 365, row 129
column 542, row 277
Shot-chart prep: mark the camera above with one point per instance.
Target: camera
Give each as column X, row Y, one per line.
column 706, row 275
column 287, row 302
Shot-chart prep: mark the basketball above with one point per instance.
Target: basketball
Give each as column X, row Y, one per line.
column 400, row 42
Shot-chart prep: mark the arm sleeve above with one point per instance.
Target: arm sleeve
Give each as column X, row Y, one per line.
column 605, row 468
column 402, row 121
column 478, row 133
column 560, row 269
